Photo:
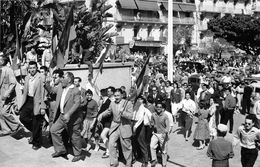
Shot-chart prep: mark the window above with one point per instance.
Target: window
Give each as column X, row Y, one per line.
column 149, row 30
column 136, row 30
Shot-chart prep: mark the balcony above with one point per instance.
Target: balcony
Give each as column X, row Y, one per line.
column 184, row 21
column 132, row 19
column 163, row 39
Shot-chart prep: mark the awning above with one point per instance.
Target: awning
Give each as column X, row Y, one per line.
column 176, row 6
column 128, row 4
column 181, row 7
column 145, row 5
column 147, row 44
column 188, row 7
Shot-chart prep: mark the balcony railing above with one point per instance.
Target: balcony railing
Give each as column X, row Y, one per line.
column 184, row 21
column 176, row 20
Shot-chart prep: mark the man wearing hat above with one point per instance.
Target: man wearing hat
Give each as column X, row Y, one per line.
column 220, row 150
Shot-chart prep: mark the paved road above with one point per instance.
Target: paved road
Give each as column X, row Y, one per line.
column 15, row 152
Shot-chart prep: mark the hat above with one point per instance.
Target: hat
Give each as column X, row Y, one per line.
column 222, row 128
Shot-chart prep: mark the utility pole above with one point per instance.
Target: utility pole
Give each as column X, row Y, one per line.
column 170, row 40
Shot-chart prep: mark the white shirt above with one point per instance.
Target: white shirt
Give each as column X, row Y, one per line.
column 188, row 106
column 256, row 109
column 63, row 96
column 31, row 86
column 142, row 115
column 169, row 115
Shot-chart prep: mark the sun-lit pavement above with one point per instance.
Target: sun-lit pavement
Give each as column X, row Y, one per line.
column 16, row 152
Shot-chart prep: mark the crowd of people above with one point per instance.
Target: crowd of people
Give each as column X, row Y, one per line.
column 60, row 103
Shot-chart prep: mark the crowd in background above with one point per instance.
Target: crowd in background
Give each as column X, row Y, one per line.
column 62, row 104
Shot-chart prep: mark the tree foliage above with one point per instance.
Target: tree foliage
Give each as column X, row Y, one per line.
column 182, row 37
column 241, row 31
column 29, row 16
column 90, row 28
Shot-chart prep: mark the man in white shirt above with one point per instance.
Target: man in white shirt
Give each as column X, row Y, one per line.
column 256, row 110
column 247, row 135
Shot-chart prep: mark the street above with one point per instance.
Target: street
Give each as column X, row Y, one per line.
column 16, row 152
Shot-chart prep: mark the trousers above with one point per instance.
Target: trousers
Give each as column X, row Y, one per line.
column 226, row 116
column 126, row 146
column 248, row 157
column 73, row 129
column 32, row 122
column 159, row 139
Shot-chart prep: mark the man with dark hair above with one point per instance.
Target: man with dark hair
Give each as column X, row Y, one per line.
column 52, row 87
column 229, row 107
column 90, row 118
column 33, row 104
column 77, row 82
column 7, row 94
column 44, row 70
column 248, row 135
column 121, row 128
column 110, row 92
column 220, row 150
column 106, row 122
column 67, row 116
column 160, row 124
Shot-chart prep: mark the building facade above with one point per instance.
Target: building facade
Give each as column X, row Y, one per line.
column 142, row 24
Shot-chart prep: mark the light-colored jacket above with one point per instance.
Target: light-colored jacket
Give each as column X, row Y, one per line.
column 39, row 93
column 122, row 113
column 7, row 84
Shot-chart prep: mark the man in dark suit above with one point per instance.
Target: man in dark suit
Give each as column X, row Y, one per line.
column 155, row 95
column 83, row 92
column 33, row 106
column 106, row 122
column 67, row 116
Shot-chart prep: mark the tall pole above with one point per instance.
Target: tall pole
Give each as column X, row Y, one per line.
column 170, row 40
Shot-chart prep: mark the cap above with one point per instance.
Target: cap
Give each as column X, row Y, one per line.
column 222, row 128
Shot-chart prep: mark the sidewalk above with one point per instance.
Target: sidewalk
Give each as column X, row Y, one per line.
column 18, row 153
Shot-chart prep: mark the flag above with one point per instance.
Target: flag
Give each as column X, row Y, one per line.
column 58, row 56
column 102, row 56
column 141, row 82
column 140, row 77
column 17, row 54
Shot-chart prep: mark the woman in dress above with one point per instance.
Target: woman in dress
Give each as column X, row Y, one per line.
column 212, row 122
column 188, row 108
column 202, row 130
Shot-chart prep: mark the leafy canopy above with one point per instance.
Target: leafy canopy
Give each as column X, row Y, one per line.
column 241, row 31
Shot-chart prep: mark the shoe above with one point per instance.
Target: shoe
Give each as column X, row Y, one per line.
column 58, row 154
column 76, row 158
column 114, row 165
column 230, row 132
column 36, row 147
column 153, row 163
column 30, row 140
column 105, row 155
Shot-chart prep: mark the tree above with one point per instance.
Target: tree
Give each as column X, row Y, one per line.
column 182, row 37
column 241, row 31
column 30, row 17
column 91, row 32
column 218, row 46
